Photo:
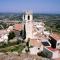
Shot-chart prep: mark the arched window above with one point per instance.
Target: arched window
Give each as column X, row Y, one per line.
column 24, row 16
column 28, row 17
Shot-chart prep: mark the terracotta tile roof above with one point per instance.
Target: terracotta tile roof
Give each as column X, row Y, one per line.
column 57, row 59
column 52, row 49
column 56, row 36
column 35, row 42
column 18, row 27
column 40, row 36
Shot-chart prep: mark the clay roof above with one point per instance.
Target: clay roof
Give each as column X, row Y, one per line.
column 52, row 49
column 41, row 37
column 18, row 27
column 35, row 42
column 56, row 36
column 57, row 59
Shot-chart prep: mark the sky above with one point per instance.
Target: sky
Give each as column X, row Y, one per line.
column 39, row 6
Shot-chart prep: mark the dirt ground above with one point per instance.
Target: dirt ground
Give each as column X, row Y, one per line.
column 12, row 56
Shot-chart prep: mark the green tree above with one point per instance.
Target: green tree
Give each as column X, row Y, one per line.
column 11, row 35
column 23, row 33
column 27, row 44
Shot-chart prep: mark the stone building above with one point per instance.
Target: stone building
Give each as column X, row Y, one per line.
column 27, row 18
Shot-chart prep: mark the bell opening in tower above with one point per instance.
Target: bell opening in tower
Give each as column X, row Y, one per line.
column 28, row 17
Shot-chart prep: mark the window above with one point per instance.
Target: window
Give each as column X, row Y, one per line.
column 45, row 43
column 28, row 17
column 38, row 48
column 58, row 44
column 24, row 16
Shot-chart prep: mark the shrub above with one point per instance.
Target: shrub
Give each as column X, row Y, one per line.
column 11, row 35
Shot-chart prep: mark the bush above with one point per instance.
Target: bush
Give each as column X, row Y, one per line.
column 47, row 55
column 11, row 35
column 41, row 54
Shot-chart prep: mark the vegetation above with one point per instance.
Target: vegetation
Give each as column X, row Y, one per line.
column 11, row 16
column 23, row 33
column 17, row 48
column 11, row 35
column 47, row 54
column 27, row 45
column 3, row 25
column 53, row 25
column 52, row 21
column 10, row 47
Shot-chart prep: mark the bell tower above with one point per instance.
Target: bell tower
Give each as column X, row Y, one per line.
column 28, row 17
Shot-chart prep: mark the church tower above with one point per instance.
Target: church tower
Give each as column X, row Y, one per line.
column 27, row 18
